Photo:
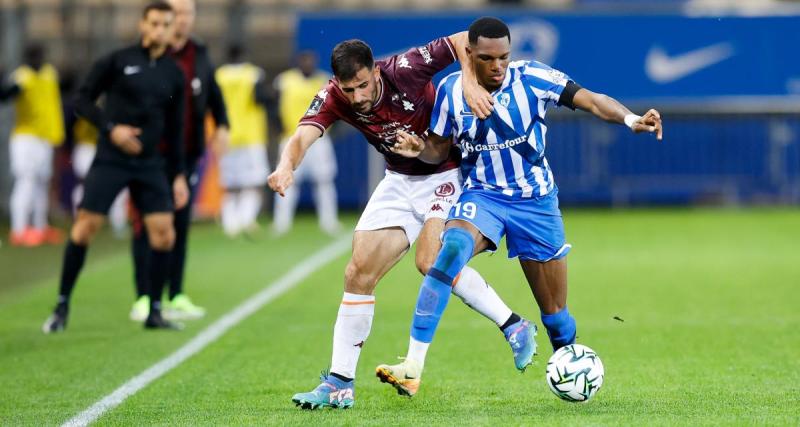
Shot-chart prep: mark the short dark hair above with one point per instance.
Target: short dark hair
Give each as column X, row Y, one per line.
column 489, row 27
column 348, row 57
column 159, row 5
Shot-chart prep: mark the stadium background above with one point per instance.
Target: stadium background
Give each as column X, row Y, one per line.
column 732, row 135
column 692, row 307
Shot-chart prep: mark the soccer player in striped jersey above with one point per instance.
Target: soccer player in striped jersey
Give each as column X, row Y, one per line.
column 508, row 186
column 379, row 98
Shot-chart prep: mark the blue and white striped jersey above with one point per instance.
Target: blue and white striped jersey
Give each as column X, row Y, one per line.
column 505, row 152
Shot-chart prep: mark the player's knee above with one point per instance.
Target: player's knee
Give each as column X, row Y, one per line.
column 457, row 248
column 424, row 263
column 84, row 229
column 357, row 276
column 162, row 238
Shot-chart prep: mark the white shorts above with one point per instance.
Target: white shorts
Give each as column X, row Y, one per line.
column 319, row 163
column 82, row 157
column 31, row 157
column 243, row 167
column 408, row 201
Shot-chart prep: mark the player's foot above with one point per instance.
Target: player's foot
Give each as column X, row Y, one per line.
column 17, row 238
column 52, row 235
column 520, row 336
column 330, row 393
column 404, row 377
column 140, row 309
column 181, row 307
column 156, row 321
column 57, row 321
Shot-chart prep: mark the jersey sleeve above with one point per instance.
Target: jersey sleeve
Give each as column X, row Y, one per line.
column 442, row 114
column 546, row 82
column 417, row 66
column 323, row 111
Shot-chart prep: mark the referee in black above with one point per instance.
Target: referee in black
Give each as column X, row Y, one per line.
column 144, row 91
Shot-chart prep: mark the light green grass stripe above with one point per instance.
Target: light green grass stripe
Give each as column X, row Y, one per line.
column 213, row 332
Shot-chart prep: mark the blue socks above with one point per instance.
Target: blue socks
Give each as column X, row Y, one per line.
column 457, row 248
column 560, row 328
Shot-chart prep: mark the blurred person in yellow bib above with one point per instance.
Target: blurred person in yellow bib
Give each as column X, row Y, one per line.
column 38, row 129
column 296, row 88
column 243, row 162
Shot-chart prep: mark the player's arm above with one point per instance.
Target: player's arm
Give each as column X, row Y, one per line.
column 98, row 81
column 292, row 155
column 611, row 110
column 434, row 149
column 478, row 98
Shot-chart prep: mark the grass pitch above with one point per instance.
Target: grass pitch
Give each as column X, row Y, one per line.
column 709, row 332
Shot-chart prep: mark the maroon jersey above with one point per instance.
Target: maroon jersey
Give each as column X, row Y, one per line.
column 405, row 102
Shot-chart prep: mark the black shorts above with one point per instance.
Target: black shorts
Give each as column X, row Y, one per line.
column 149, row 188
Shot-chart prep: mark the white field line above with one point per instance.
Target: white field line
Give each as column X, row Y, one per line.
column 213, row 332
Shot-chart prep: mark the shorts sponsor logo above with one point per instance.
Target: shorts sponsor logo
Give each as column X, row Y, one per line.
column 445, row 190
column 437, row 208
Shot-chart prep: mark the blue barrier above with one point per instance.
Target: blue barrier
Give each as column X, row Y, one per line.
column 716, row 76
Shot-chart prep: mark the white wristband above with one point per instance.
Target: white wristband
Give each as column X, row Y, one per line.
column 630, row 119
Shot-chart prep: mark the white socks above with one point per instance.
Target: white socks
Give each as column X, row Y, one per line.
column 478, row 295
column 351, row 331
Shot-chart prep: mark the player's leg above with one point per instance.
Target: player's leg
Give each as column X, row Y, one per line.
column 161, row 235
column 375, row 252
column 140, row 251
column 102, row 184
column 118, row 215
column 151, row 193
column 255, row 171
column 230, row 179
column 44, row 171
column 23, row 191
column 382, row 237
column 536, row 235
column 286, row 206
column 548, row 282
column 323, row 175
column 180, row 305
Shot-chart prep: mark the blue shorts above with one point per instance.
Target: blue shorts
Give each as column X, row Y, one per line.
column 533, row 227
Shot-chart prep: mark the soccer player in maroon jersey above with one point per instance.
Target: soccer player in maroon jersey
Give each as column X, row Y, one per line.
column 381, row 98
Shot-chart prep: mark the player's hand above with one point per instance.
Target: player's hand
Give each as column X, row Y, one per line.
column 220, row 141
column 407, row 145
column 280, row 180
column 127, row 139
column 478, row 98
column 650, row 122
column 180, row 192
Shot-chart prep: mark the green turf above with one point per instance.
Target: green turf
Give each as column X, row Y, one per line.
column 709, row 300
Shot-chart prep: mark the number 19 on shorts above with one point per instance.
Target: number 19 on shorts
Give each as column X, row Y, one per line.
column 467, row 210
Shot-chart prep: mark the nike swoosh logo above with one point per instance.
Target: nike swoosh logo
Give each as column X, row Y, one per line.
column 130, row 69
column 662, row 68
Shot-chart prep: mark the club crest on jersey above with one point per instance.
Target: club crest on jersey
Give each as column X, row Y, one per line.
column 504, row 99
column 403, row 62
column 316, row 103
column 445, row 190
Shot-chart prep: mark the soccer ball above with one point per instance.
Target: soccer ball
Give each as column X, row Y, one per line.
column 575, row 373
